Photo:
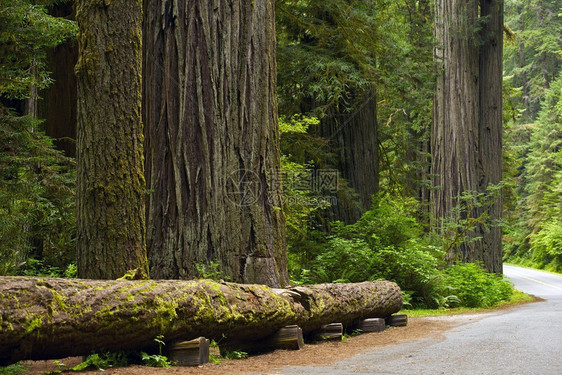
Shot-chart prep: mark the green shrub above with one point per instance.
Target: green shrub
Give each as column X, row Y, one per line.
column 474, row 287
column 15, row 369
column 103, row 361
column 546, row 246
column 386, row 243
column 155, row 360
column 343, row 261
column 391, row 221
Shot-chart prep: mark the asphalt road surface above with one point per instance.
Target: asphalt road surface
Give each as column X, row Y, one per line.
column 524, row 340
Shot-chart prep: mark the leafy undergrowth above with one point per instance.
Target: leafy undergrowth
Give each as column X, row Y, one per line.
column 15, row 369
column 517, row 298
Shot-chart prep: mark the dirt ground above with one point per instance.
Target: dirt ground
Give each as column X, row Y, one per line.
column 316, row 354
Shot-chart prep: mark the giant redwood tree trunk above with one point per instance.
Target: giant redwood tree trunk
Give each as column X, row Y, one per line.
column 490, row 129
column 111, row 186
column 56, row 318
column 212, row 140
column 455, row 113
column 467, row 127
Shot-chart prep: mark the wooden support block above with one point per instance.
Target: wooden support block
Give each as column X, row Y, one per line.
column 190, row 353
column 289, row 338
column 399, row 320
column 372, row 325
column 332, row 331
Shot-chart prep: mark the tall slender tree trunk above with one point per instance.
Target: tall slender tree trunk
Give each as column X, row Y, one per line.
column 522, row 62
column 30, row 105
column 543, row 60
column 354, row 138
column 58, row 102
column 212, row 140
column 111, row 185
column 420, row 22
column 467, row 128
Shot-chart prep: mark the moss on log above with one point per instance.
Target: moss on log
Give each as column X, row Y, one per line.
column 53, row 318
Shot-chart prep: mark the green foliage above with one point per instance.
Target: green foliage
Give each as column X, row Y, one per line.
column 26, row 30
column 335, row 54
column 547, row 246
column 103, row 361
column 156, row 360
column 405, row 98
column 36, row 197
column 533, row 58
column 210, row 270
column 386, row 243
column 36, row 267
column 390, row 222
column 107, row 360
column 469, row 217
column 36, row 182
column 389, row 243
column 532, row 233
column 15, row 369
column 346, row 336
column 325, row 51
column 517, row 298
column 302, row 206
column 214, row 358
column 476, row 288
column 235, row 354
column 297, row 124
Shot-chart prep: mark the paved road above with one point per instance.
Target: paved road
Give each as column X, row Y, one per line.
column 525, row 340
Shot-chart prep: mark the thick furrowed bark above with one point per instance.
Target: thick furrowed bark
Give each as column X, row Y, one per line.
column 467, row 125
column 212, row 142
column 55, row 318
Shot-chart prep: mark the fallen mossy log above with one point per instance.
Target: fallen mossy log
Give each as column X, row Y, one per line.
column 54, row 318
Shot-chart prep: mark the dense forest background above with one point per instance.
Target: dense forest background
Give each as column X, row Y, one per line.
column 356, row 82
